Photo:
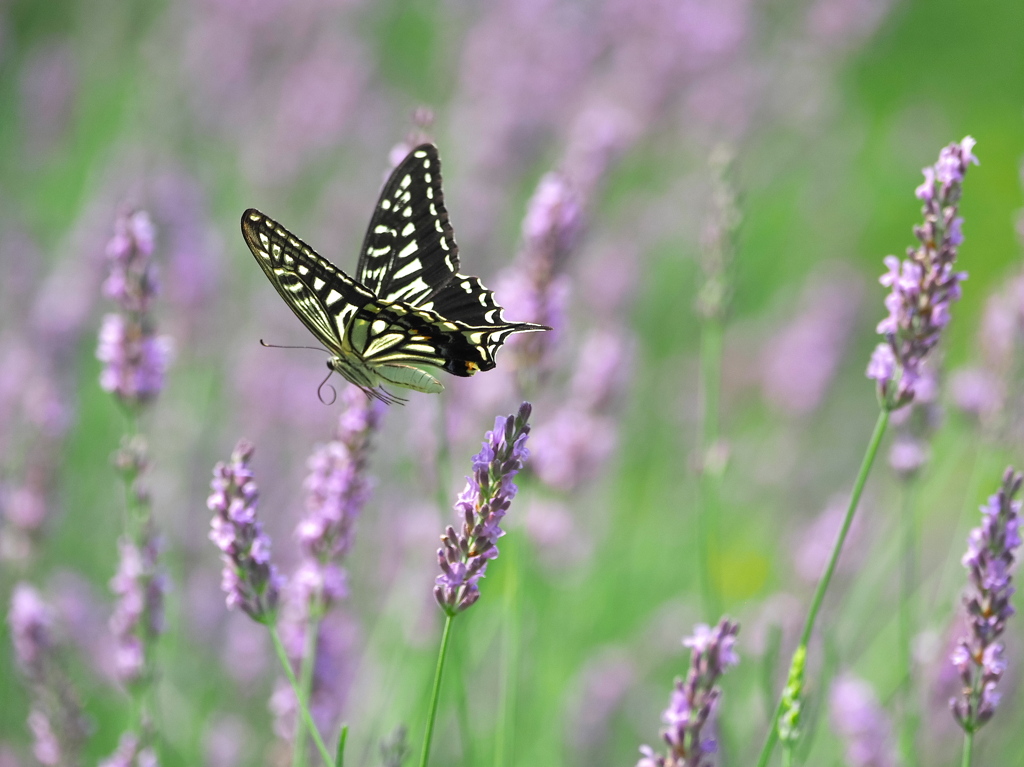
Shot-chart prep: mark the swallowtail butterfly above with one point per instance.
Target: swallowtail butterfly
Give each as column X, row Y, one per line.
column 408, row 311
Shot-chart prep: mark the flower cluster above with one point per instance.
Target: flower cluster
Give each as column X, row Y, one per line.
column 978, row 658
column 694, row 699
column 138, row 617
column 537, row 290
column 58, row 727
column 337, row 488
column 862, row 722
column 924, row 284
column 134, row 357
column 249, row 579
column 481, row 506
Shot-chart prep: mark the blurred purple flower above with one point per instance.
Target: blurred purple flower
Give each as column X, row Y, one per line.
column 131, row 752
column 337, row 488
column 862, row 723
column 58, row 727
column 31, row 621
column 138, row 617
column 249, row 578
column 979, row 657
column 695, row 699
column 924, row 285
column 572, row 445
column 977, row 392
column 135, row 359
column 800, row 362
column 481, row 506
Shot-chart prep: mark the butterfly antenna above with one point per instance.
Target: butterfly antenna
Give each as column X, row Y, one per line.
column 265, row 345
column 320, row 389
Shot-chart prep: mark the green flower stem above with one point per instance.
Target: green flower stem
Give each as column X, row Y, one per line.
column 435, row 694
column 305, row 689
column 826, row 578
column 968, row 746
column 710, row 471
column 339, row 760
column 907, row 625
column 307, row 718
column 509, row 663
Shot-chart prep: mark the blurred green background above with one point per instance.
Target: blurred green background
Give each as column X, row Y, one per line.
column 198, row 109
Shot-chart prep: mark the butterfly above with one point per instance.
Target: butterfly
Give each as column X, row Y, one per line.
column 409, row 312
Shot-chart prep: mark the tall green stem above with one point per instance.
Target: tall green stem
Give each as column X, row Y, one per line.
column 908, row 725
column 826, row 578
column 710, row 471
column 305, row 689
column 307, row 718
column 435, row 694
column 965, row 761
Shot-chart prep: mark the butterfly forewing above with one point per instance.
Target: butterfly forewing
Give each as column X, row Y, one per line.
column 319, row 293
column 409, row 252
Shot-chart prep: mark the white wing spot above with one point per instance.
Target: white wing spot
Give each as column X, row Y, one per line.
column 437, row 223
column 318, row 284
column 410, row 268
column 409, row 228
column 265, row 255
column 420, row 153
column 408, row 250
column 430, row 193
column 303, row 270
column 288, row 258
column 332, row 298
column 427, row 178
column 378, row 327
column 381, row 229
column 265, row 240
column 467, row 287
column 426, row 162
column 483, row 299
column 385, row 204
column 406, row 181
column 444, row 243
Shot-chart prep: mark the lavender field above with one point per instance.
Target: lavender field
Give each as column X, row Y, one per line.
column 753, row 498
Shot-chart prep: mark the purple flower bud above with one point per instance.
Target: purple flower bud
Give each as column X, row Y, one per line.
column 134, row 358
column 924, row 285
column 249, row 579
column 138, row 616
column 31, row 622
column 991, row 552
column 695, row 699
column 480, row 508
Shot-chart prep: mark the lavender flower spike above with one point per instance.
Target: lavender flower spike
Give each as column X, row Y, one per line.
column 249, row 578
column 694, row 699
column 134, row 357
column 924, row 284
column 990, row 556
column 481, row 506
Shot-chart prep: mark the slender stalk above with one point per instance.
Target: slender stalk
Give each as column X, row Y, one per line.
column 710, row 473
column 307, row 718
column 339, row 760
column 826, row 578
column 965, row 760
column 305, row 690
column 509, row 660
column 907, row 625
column 435, row 694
